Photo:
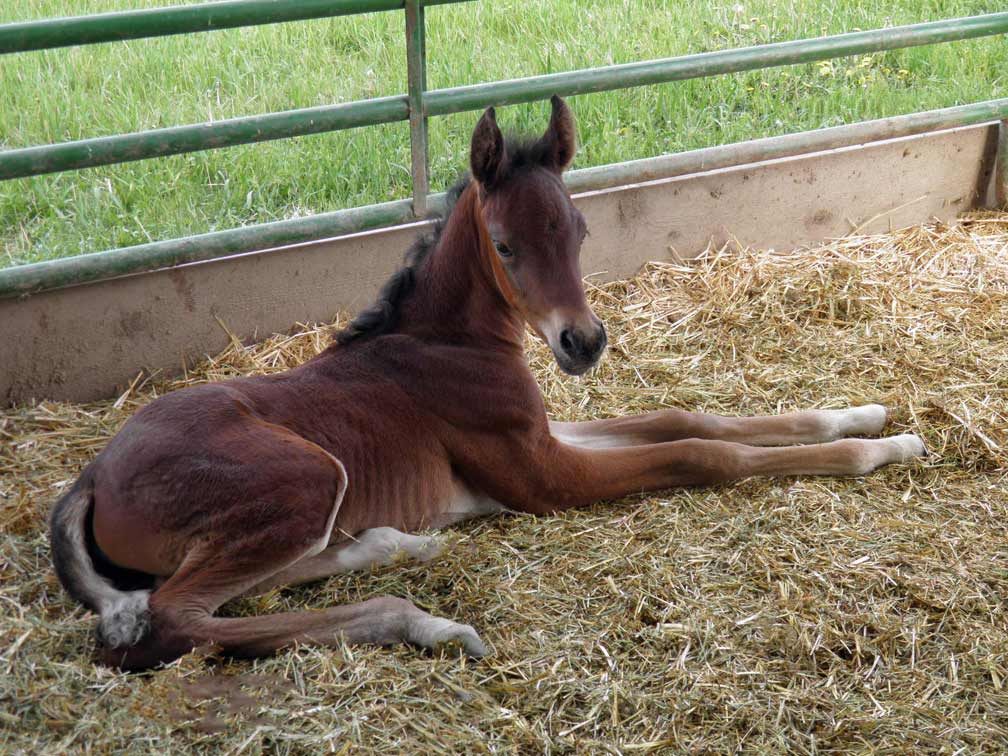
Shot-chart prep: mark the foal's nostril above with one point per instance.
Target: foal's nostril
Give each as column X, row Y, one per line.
column 603, row 339
column 567, row 341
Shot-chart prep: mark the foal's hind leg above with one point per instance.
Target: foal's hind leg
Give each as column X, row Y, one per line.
column 805, row 427
column 384, row 620
column 181, row 614
column 181, row 610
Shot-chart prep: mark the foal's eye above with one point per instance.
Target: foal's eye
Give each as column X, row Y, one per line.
column 503, row 249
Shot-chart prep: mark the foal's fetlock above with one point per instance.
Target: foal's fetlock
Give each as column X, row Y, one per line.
column 151, row 651
column 866, row 420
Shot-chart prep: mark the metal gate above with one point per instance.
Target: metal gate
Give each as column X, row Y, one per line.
column 416, row 106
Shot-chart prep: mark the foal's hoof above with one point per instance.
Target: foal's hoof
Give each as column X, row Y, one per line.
column 436, row 632
column 467, row 638
column 426, row 548
column 877, row 452
column 380, row 547
column 907, row 446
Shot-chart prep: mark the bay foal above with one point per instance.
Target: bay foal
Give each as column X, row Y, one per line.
column 422, row 414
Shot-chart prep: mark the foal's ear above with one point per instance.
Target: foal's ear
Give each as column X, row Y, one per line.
column 560, row 140
column 486, row 154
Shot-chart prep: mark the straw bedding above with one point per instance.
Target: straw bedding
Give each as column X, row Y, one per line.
column 803, row 615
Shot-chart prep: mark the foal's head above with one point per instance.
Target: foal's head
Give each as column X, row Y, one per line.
column 537, row 233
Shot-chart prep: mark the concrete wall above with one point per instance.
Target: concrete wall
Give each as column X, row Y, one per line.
column 87, row 342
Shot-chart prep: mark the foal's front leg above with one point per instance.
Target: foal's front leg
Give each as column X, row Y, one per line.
column 805, row 427
column 377, row 547
column 559, row 476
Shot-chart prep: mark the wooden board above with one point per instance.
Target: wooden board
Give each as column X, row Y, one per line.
column 88, row 342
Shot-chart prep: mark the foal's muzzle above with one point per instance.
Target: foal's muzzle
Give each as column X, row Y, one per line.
column 578, row 349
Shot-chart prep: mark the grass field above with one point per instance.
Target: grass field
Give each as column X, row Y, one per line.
column 117, row 88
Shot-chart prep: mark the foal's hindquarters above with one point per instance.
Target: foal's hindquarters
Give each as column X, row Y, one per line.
column 234, row 504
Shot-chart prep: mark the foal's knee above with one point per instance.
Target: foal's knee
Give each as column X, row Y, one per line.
column 703, row 462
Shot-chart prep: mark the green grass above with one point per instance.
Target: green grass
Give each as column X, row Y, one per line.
column 98, row 90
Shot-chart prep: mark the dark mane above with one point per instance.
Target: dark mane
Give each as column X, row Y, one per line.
column 383, row 315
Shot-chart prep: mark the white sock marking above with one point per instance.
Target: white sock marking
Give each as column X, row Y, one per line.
column 379, row 547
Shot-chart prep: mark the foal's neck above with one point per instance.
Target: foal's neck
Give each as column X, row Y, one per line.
column 456, row 297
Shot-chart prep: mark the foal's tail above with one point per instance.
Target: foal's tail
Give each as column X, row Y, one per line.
column 124, row 614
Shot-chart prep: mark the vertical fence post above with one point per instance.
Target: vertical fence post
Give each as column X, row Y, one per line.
column 416, row 79
column 1001, row 167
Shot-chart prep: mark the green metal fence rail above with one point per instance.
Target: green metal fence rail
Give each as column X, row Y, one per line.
column 185, row 19
column 416, row 106
column 87, row 153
